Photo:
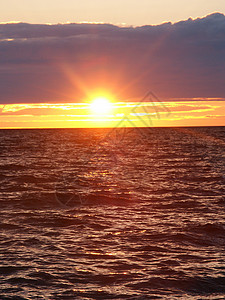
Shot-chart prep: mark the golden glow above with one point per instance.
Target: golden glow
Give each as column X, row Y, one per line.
column 208, row 112
column 101, row 106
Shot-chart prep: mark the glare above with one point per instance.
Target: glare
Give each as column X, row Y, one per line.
column 101, row 106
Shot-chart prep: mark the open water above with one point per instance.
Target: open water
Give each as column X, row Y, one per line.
column 121, row 214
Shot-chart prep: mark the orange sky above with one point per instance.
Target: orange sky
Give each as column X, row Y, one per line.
column 49, row 74
column 79, row 115
column 131, row 12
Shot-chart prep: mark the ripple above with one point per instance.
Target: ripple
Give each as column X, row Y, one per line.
column 150, row 226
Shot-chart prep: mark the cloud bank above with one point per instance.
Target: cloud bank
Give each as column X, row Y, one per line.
column 68, row 62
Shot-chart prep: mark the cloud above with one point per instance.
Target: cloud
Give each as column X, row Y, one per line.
column 56, row 115
column 68, row 62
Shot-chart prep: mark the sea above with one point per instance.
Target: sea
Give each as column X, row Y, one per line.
column 126, row 213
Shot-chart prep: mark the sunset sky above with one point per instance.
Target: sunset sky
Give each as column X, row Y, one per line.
column 56, row 59
column 130, row 12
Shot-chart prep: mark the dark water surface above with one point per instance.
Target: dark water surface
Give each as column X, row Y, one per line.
column 134, row 215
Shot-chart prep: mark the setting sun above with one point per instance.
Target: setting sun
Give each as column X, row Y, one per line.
column 101, row 106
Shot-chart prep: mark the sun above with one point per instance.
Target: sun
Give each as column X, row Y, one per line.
column 101, row 106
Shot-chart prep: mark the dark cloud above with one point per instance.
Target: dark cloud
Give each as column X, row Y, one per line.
column 65, row 62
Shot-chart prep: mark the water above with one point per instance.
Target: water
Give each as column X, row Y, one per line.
column 93, row 214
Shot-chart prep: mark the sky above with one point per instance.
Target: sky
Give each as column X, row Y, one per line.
column 129, row 114
column 130, row 12
column 52, row 65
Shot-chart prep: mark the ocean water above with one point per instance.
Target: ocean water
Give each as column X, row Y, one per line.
column 112, row 214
